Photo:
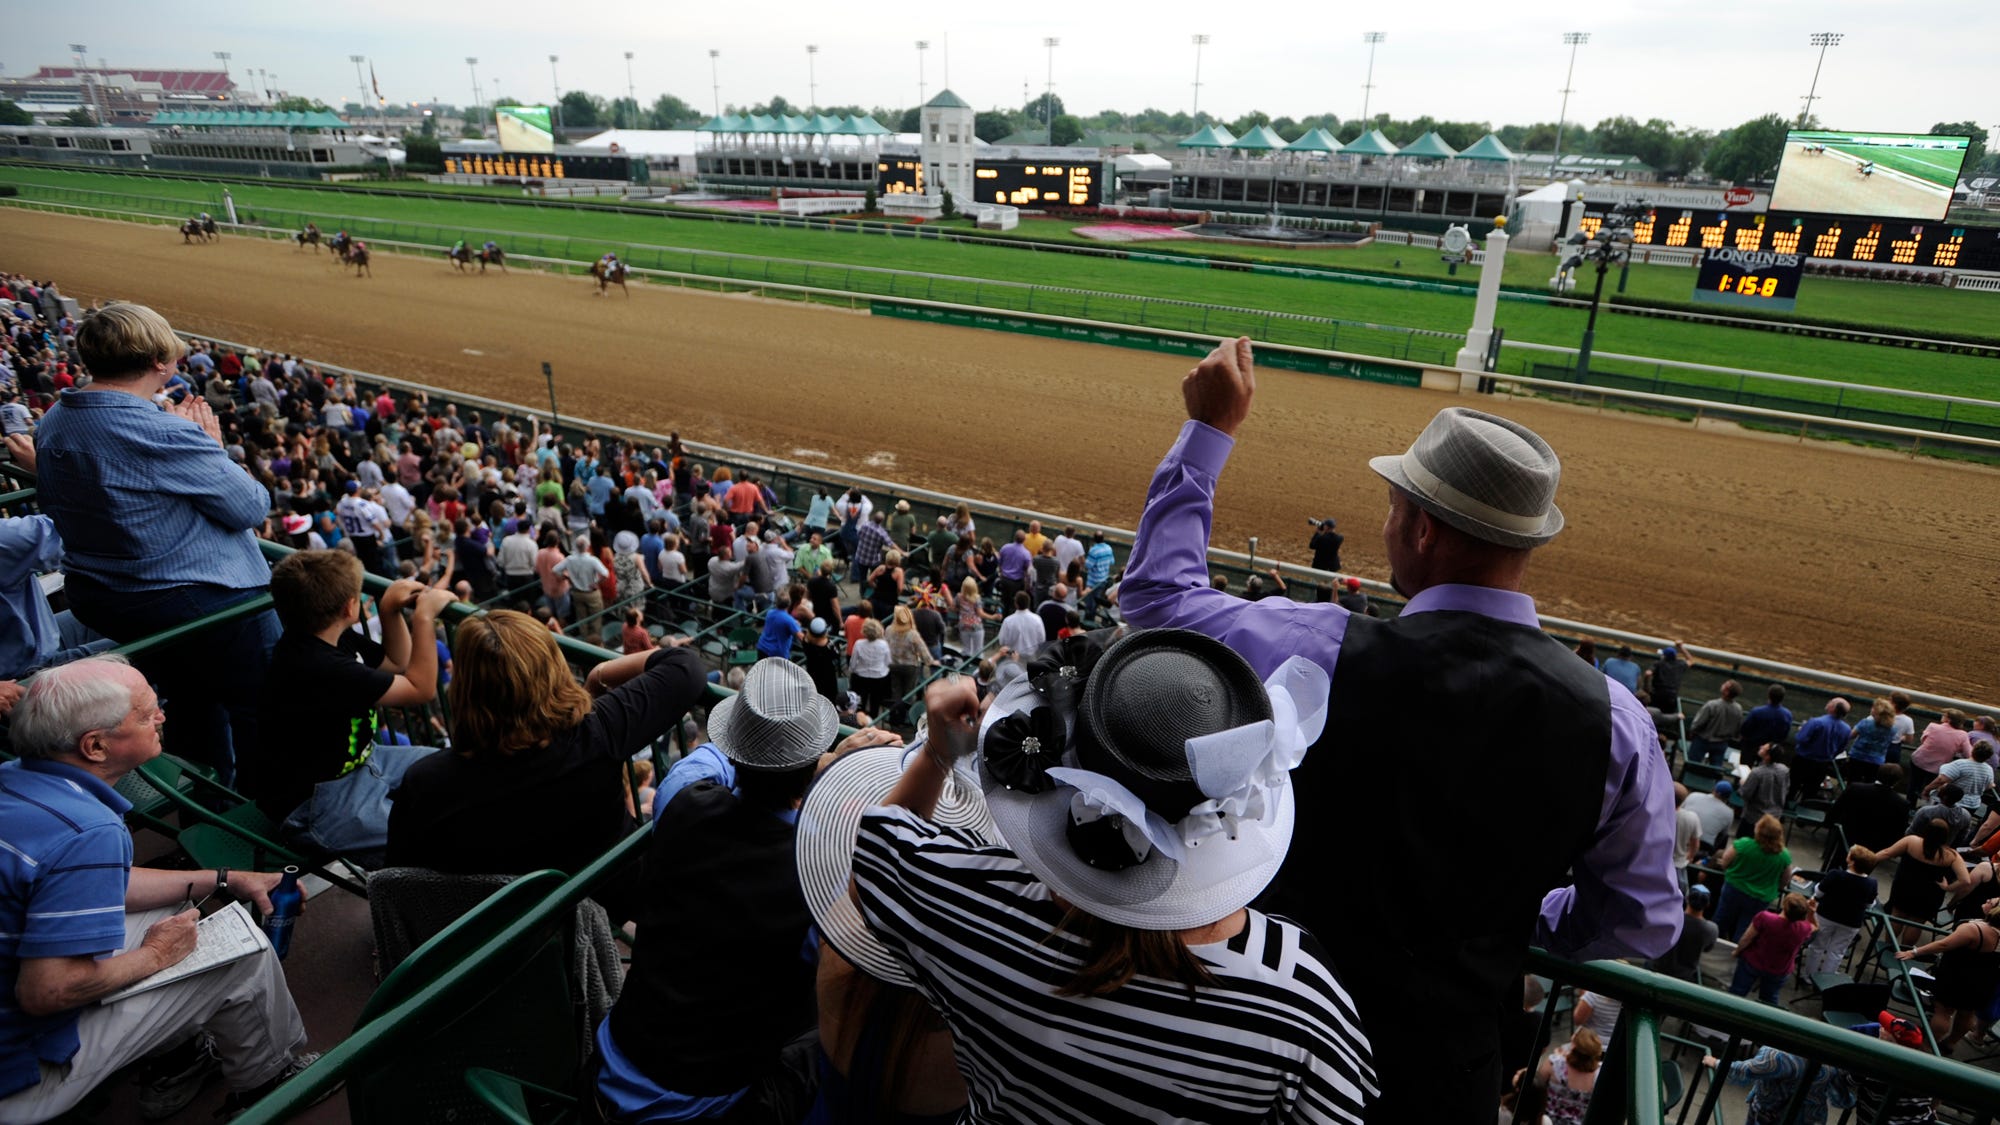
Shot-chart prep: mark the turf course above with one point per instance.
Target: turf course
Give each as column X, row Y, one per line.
column 441, row 221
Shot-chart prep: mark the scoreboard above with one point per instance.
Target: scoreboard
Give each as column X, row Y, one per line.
column 1035, row 183
column 1759, row 279
column 1844, row 238
column 535, row 166
column 899, row 176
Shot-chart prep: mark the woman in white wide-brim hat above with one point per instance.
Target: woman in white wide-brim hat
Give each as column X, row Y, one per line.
column 1103, row 966
column 885, row 1055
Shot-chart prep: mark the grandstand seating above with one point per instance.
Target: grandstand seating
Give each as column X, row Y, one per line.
column 480, row 1021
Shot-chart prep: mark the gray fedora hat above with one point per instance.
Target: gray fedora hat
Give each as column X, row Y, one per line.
column 1482, row 474
column 777, row 722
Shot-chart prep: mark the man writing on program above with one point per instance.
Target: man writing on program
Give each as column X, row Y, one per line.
column 1545, row 763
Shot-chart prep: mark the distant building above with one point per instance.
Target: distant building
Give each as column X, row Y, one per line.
column 115, row 95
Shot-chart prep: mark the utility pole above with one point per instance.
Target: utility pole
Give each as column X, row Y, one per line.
column 1200, row 41
column 1822, row 40
column 1573, row 40
column 1049, row 97
column 812, row 77
column 1368, row 88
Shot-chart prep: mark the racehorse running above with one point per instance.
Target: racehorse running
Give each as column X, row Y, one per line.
column 357, row 256
column 191, row 232
column 1867, row 169
column 208, row 228
column 609, row 271
column 491, row 255
column 461, row 257
column 339, row 243
column 307, row 237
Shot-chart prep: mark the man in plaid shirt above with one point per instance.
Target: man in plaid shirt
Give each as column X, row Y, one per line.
column 869, row 544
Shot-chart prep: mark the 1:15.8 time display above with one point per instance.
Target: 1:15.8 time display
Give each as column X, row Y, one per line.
column 1748, row 285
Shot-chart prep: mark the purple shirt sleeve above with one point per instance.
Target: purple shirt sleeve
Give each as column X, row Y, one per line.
column 1166, row 579
column 1626, row 900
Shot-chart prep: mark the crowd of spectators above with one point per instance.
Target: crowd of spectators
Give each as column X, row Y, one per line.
column 1126, row 757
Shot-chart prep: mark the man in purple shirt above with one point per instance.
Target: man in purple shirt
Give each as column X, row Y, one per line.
column 1427, row 888
column 1015, row 559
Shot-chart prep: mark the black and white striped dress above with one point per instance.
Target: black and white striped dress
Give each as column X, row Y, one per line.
column 1275, row 1038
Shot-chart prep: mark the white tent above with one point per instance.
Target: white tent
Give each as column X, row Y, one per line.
column 1538, row 214
column 1143, row 162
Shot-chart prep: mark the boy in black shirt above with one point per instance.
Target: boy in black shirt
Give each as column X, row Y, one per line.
column 320, row 696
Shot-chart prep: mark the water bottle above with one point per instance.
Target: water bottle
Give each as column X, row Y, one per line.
column 285, row 903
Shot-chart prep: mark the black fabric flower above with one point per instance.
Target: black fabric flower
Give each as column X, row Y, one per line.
column 1020, row 748
column 1058, row 669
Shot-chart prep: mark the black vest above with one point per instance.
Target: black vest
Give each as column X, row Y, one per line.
column 1461, row 772
column 718, row 984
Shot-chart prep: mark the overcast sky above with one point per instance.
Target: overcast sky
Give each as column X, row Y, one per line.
column 1902, row 66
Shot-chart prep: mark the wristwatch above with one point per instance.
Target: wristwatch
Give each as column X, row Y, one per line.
column 222, row 880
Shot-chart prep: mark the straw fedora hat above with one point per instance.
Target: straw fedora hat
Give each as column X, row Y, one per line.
column 777, row 722
column 1482, row 474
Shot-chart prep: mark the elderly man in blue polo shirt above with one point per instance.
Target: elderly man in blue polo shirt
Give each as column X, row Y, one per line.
column 158, row 525
column 78, row 922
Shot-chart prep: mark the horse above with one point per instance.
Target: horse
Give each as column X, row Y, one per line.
column 461, row 257
column 208, row 228
column 357, row 256
column 615, row 275
column 307, row 237
column 191, row 232
column 494, row 256
column 339, row 244
column 1867, row 169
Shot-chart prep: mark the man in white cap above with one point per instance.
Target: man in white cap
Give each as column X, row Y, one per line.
column 1468, row 503
column 716, row 1017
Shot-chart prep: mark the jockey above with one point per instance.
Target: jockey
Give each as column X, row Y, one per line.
column 491, row 246
column 458, row 248
column 204, row 216
column 609, row 260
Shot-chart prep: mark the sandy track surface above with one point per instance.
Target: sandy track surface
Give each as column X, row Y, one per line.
column 1874, row 565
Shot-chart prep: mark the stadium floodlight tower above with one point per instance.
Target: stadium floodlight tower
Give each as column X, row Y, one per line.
column 83, row 77
column 1049, row 97
column 1572, row 40
column 360, row 83
column 472, row 65
column 715, row 79
column 812, row 77
column 1200, row 41
column 555, row 83
column 1610, row 245
column 631, row 91
column 1822, row 40
column 922, row 46
column 1368, row 88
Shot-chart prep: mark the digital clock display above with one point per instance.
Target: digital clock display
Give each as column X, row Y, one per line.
column 1036, row 183
column 1763, row 279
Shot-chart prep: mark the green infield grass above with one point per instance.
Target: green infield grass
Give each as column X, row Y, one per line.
column 1938, row 166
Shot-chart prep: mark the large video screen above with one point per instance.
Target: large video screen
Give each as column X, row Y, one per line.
column 1881, row 175
column 525, row 128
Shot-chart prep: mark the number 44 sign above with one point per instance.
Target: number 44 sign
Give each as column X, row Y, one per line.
column 1759, row 279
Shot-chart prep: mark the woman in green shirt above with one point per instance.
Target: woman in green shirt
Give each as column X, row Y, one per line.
column 1757, row 868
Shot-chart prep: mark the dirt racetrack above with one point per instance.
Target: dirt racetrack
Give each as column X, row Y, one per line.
column 1870, row 564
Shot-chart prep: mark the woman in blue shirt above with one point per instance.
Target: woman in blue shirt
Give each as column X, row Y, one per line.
column 1873, row 740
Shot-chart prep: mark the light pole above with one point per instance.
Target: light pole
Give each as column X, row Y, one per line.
column 556, row 84
column 223, row 57
column 1611, row 244
column 812, row 77
column 631, row 91
column 922, row 46
column 1368, row 88
column 1049, row 97
column 1573, row 40
column 360, row 84
column 1822, row 40
column 83, row 78
column 472, row 65
column 715, row 79
column 1200, row 41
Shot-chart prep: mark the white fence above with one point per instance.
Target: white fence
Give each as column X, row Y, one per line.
column 822, row 204
column 1984, row 282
